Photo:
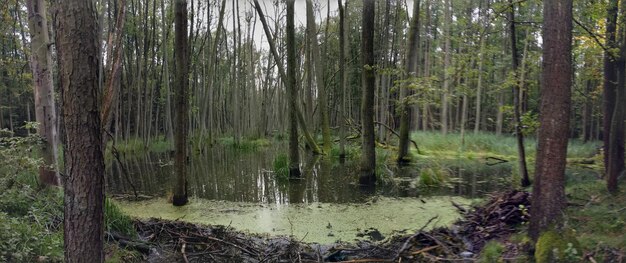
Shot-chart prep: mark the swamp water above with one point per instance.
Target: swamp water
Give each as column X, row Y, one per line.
column 238, row 188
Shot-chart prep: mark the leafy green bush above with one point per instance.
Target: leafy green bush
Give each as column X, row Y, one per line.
column 23, row 241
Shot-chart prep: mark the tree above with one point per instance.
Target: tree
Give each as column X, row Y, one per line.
column 521, row 152
column 181, row 58
column 294, row 156
column 112, row 83
column 404, row 110
column 78, row 48
column 343, row 81
column 368, row 146
column 446, row 64
column 615, row 153
column 548, row 199
column 319, row 75
column 45, row 113
column 283, row 76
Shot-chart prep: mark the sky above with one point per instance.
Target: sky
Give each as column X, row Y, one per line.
column 270, row 13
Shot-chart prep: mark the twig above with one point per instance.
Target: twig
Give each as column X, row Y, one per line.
column 406, row 243
column 182, row 250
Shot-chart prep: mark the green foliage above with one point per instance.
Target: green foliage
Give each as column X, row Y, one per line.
column 245, row 144
column 555, row 246
column 116, row 221
column 492, row 252
column 24, row 241
column 434, row 176
column 281, row 166
column 30, row 218
column 530, row 123
column 136, row 146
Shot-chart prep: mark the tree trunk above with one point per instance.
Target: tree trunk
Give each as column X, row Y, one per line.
column 343, row 81
column 294, row 156
column 616, row 136
column 368, row 156
column 45, row 109
column 548, row 197
column 319, row 76
column 78, row 49
column 112, row 83
column 610, row 79
column 181, row 60
column 412, row 50
column 521, row 152
column 446, row 65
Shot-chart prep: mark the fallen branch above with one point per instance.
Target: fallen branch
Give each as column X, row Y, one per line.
column 398, row 135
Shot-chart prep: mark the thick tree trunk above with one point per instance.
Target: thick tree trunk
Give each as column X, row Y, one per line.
column 45, row 109
column 404, row 111
column 181, row 59
column 610, row 79
column 79, row 60
column 368, row 155
column 548, row 197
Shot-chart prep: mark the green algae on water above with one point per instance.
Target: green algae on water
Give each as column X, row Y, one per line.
column 314, row 222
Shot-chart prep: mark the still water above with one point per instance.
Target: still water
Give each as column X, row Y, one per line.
column 234, row 187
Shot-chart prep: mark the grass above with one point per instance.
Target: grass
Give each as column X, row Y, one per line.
column 435, row 144
column 281, row 167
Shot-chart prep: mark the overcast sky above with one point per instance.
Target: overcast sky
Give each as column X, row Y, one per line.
column 270, row 13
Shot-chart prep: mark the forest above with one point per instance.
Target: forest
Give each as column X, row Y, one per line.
column 312, row 130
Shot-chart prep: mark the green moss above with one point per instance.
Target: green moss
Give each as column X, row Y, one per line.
column 555, row 247
column 492, row 252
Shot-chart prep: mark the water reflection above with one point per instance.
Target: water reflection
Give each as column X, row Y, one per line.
column 225, row 173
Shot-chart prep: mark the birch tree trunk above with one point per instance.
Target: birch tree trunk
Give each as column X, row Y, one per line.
column 45, row 109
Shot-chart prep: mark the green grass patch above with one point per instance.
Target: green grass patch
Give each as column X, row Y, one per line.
column 245, row 144
column 281, row 167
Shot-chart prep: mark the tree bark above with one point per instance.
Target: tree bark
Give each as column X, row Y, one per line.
column 404, row 110
column 181, row 59
column 368, row 155
column 548, row 197
column 45, row 109
column 78, row 48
